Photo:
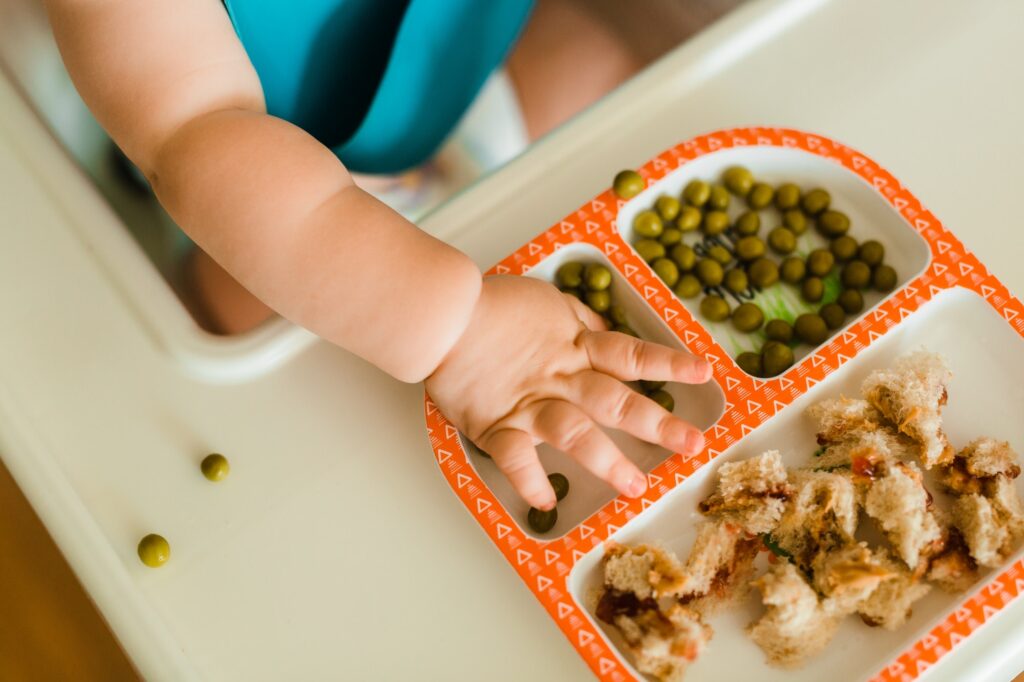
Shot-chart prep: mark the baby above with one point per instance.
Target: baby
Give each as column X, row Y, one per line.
column 510, row 360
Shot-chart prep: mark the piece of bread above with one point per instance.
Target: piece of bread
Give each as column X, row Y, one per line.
column 841, row 419
column 794, row 626
column 1001, row 491
column 901, row 505
column 880, row 445
column 719, row 567
column 911, row 395
column 820, row 515
column 847, row 577
column 987, row 536
column 980, row 460
column 647, row 571
column 954, row 570
column 750, row 493
column 664, row 643
column 889, row 606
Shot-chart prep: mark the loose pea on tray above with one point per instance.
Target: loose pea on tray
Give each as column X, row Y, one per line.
column 693, row 247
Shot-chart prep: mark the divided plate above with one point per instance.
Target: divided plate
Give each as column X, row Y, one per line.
column 945, row 301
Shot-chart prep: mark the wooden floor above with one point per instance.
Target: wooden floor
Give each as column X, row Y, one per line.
column 49, row 630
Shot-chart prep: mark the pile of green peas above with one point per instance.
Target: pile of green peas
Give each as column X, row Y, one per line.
column 731, row 259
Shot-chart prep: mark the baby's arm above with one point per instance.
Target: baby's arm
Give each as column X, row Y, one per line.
column 172, row 84
column 510, row 360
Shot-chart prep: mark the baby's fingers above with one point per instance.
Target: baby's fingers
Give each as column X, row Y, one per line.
column 514, row 453
column 628, row 359
column 612, row 403
column 570, row 430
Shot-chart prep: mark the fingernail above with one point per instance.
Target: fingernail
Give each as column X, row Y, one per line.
column 549, row 505
column 694, row 442
column 637, row 485
column 703, row 369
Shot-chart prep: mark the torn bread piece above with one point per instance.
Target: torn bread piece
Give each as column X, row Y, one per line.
column 841, row 419
column 750, row 493
column 987, row 535
column 911, row 395
column 847, row 577
column 820, row 515
column 881, row 445
column 954, row 570
column 981, row 460
column 795, row 626
column 663, row 643
column 1001, row 491
column 720, row 565
column 899, row 502
column 890, row 605
column 647, row 571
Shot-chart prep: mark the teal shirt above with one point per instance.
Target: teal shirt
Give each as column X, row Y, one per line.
column 380, row 82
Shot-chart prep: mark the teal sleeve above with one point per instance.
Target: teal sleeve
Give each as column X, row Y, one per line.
column 380, row 82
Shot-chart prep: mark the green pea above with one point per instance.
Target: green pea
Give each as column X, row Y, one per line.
column 795, row 220
column 617, row 314
column 749, row 248
column 689, row 219
column 597, row 277
column 855, row 275
column 663, row 398
column 649, row 249
column 776, row 358
column 697, row 192
column 624, row 329
column 750, row 363
column 560, row 484
column 820, row 262
column 714, row 308
column 851, row 300
column 688, row 286
column 154, row 550
column 709, row 272
column 542, row 521
column 833, row 314
column 666, row 269
column 648, row 224
column 763, row 272
column 793, row 270
column 599, row 301
column 810, row 328
column 816, row 201
column 844, row 248
column 738, row 180
column 570, row 275
column 215, row 467
column 761, row 194
column 871, row 252
column 720, row 253
column 736, row 281
column 627, row 184
column 779, row 330
column 715, row 223
column 718, row 200
column 747, row 317
column 884, row 278
column 684, row 256
column 667, row 207
column 782, row 240
column 747, row 224
column 787, row 196
column 833, row 224
column 671, row 236
column 651, row 386
column 812, row 289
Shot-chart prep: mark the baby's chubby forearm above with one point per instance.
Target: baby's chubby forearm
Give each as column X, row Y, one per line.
column 280, row 213
column 173, row 86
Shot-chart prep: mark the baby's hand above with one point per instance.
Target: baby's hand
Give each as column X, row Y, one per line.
column 535, row 365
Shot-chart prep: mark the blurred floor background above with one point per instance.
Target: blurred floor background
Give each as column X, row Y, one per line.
column 49, row 630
